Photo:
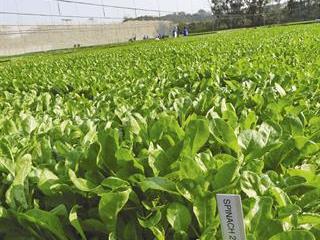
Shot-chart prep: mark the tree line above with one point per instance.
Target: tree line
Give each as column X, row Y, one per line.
column 228, row 14
column 244, row 13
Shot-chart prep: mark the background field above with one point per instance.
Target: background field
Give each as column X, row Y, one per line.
column 133, row 142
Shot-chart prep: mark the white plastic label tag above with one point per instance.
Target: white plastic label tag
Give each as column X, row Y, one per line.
column 231, row 216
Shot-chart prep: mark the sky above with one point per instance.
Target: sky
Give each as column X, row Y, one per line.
column 50, row 7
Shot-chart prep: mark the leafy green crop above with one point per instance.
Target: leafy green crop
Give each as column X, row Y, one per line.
column 135, row 142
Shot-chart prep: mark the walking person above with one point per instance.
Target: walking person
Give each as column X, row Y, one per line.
column 185, row 31
column 175, row 32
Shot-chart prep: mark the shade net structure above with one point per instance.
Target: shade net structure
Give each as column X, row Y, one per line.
column 41, row 25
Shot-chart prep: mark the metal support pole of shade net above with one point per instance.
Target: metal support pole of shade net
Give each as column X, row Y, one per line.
column 50, row 22
column 104, row 15
column 159, row 13
column 136, row 21
column 19, row 27
column 59, row 9
column 79, row 42
column 103, row 10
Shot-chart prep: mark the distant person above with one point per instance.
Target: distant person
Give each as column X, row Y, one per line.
column 185, row 31
column 133, row 39
column 175, row 32
column 158, row 37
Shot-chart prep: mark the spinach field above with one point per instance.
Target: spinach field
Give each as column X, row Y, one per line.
column 134, row 142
